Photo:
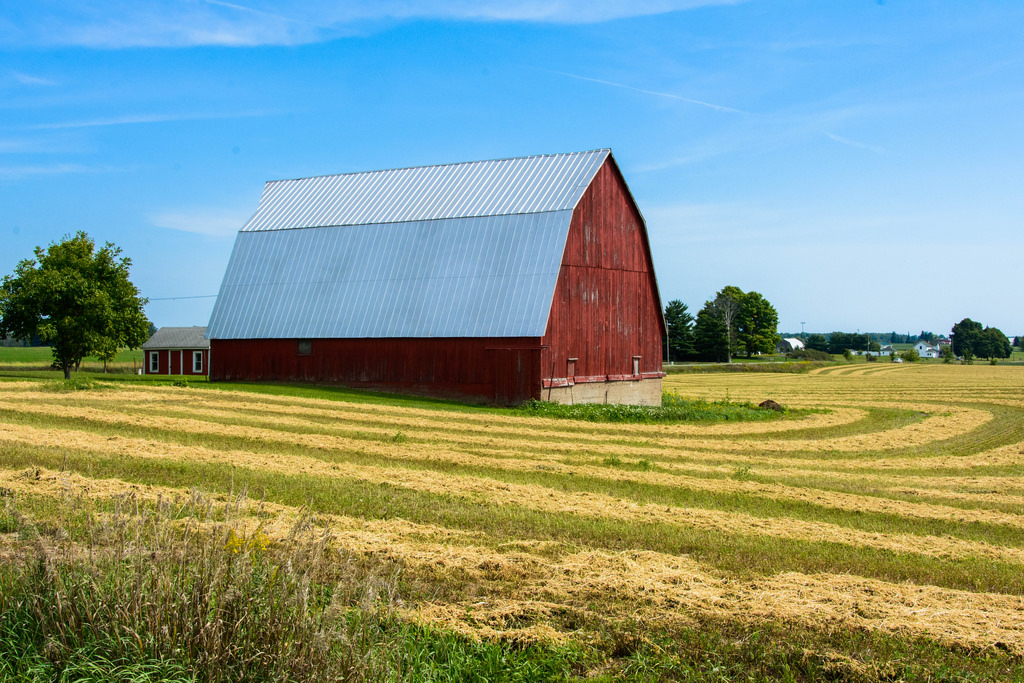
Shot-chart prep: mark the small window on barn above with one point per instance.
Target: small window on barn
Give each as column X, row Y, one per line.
column 197, row 361
column 154, row 361
column 304, row 347
column 570, row 370
column 636, row 365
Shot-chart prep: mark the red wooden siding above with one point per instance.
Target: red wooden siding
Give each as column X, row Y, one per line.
column 173, row 360
column 606, row 308
column 504, row 370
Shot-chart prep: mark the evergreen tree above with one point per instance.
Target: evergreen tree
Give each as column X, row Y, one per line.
column 679, row 322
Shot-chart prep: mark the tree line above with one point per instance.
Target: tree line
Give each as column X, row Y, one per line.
column 733, row 322
column 971, row 340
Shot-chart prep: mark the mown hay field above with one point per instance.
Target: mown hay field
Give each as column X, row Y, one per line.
column 882, row 532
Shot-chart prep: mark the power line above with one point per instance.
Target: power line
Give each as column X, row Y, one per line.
column 176, row 298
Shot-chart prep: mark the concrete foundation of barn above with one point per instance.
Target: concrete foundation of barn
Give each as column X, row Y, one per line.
column 644, row 392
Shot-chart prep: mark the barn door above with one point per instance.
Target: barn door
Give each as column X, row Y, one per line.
column 503, row 381
column 513, row 375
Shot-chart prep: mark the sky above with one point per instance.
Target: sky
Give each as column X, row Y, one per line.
column 858, row 163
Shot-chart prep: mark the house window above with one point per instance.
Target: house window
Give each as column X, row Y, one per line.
column 197, row 362
column 636, row 365
column 154, row 361
column 304, row 347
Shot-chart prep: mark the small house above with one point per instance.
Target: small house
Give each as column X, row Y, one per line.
column 926, row 350
column 177, row 351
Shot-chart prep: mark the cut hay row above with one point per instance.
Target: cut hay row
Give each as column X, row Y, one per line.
column 653, row 587
column 937, row 427
column 512, row 454
column 442, row 453
column 898, row 511
column 538, row 498
column 401, row 417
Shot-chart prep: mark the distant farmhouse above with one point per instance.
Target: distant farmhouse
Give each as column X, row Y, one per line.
column 926, row 350
column 495, row 281
column 177, row 351
column 788, row 345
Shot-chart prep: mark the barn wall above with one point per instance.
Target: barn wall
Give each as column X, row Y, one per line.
column 484, row 370
column 606, row 308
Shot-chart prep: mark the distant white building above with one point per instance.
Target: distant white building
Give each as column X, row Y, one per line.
column 887, row 350
column 788, row 344
column 926, row 350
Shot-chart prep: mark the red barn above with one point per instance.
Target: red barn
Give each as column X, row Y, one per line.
column 496, row 281
column 177, row 351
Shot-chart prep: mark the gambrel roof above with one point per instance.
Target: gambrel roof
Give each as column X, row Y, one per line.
column 459, row 250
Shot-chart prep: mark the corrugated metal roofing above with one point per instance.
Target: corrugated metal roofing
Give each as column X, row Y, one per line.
column 463, row 250
column 178, row 338
column 491, row 276
column 553, row 182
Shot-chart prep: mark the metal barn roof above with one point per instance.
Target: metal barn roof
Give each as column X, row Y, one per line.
column 178, row 338
column 499, row 187
column 464, row 250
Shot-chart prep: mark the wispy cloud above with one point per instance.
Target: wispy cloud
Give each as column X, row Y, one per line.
column 214, row 221
column 27, row 79
column 172, row 23
column 853, row 143
column 132, row 119
column 26, row 171
column 672, row 96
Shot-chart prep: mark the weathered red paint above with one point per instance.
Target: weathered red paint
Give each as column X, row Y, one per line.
column 482, row 369
column 606, row 307
column 605, row 312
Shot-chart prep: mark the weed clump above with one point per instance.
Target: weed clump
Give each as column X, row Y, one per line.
column 174, row 594
column 69, row 385
column 673, row 409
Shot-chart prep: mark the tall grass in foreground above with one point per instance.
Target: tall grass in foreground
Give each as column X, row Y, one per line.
column 189, row 593
column 192, row 593
column 169, row 593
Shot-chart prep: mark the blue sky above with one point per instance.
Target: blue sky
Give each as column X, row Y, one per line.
column 858, row 163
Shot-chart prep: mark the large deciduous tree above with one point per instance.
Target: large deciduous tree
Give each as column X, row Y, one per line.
column 965, row 336
column 992, row 344
column 735, row 320
column 679, row 322
column 75, row 298
column 727, row 306
column 709, row 334
column 758, row 324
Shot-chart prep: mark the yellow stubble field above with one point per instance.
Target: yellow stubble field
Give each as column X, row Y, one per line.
column 897, row 508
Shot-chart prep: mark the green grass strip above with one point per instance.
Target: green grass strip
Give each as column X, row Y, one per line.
column 737, row 553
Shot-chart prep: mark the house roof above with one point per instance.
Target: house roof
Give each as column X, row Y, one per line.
column 462, row 250
column 178, row 338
